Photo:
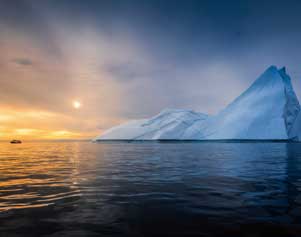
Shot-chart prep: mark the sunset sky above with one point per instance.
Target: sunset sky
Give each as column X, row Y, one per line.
column 129, row 59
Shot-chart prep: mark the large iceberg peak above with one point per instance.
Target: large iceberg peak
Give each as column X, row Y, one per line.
column 282, row 70
column 271, row 68
column 270, row 75
column 266, row 110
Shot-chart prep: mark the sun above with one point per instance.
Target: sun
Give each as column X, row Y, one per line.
column 76, row 104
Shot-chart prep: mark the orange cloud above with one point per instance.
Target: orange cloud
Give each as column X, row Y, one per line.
column 35, row 124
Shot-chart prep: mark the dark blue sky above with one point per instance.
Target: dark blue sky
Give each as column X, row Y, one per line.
column 130, row 59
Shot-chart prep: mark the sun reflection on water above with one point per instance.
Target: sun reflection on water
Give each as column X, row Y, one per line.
column 37, row 174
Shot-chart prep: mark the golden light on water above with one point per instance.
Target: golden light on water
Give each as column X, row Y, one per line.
column 50, row 177
column 76, row 104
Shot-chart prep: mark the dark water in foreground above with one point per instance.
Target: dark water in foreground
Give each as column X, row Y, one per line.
column 150, row 189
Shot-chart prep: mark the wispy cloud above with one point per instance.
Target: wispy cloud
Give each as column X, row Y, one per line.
column 23, row 61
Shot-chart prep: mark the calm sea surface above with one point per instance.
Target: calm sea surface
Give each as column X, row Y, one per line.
column 150, row 189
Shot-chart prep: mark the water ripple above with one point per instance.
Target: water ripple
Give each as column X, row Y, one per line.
column 130, row 189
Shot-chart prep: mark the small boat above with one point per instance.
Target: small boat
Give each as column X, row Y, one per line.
column 15, row 142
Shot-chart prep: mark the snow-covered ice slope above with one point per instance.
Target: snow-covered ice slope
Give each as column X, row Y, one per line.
column 268, row 109
column 169, row 124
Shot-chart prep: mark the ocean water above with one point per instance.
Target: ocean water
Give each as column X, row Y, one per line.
column 150, row 189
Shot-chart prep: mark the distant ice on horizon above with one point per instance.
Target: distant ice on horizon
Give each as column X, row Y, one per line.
column 267, row 110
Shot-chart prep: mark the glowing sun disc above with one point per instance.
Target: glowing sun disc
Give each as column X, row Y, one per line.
column 76, row 104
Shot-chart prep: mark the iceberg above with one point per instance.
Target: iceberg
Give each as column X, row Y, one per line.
column 169, row 124
column 267, row 110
